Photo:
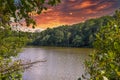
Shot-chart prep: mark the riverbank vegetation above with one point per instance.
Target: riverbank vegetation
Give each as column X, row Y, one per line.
column 77, row 35
column 10, row 45
column 104, row 63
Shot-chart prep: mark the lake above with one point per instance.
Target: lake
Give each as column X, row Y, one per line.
column 61, row 63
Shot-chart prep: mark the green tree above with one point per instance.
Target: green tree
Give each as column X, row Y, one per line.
column 78, row 41
column 10, row 42
column 104, row 63
column 58, row 36
column 10, row 45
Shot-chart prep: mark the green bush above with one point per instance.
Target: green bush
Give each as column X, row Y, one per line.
column 104, row 63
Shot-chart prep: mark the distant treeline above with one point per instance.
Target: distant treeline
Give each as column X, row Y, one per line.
column 77, row 35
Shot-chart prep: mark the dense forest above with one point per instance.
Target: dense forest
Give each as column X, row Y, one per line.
column 76, row 35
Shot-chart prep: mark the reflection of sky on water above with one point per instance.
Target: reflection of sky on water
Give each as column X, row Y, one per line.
column 61, row 64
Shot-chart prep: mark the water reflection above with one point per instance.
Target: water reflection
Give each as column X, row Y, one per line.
column 61, row 64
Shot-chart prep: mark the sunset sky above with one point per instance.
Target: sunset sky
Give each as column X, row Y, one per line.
column 75, row 11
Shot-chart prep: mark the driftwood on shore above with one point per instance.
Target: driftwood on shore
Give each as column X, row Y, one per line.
column 17, row 65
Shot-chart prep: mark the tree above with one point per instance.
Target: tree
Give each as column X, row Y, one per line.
column 77, row 41
column 10, row 45
column 104, row 63
column 58, row 36
column 15, row 11
column 22, row 9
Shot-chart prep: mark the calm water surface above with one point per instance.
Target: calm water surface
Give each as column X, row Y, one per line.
column 61, row 63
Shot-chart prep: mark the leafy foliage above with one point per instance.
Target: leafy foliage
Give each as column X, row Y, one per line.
column 10, row 45
column 10, row 70
column 104, row 63
column 22, row 9
column 11, row 42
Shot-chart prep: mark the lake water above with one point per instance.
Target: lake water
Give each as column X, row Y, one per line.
column 61, row 63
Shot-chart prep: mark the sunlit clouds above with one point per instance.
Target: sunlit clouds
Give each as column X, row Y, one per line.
column 74, row 11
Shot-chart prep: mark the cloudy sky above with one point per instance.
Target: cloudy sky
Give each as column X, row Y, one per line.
column 74, row 11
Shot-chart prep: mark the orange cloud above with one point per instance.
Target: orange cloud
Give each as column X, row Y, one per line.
column 90, row 11
column 75, row 11
column 104, row 6
column 84, row 4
